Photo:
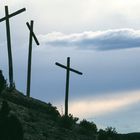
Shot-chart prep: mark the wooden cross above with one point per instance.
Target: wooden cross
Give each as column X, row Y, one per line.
column 68, row 69
column 10, row 60
column 32, row 35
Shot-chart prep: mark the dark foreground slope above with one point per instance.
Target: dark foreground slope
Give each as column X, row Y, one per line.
column 130, row 136
column 40, row 120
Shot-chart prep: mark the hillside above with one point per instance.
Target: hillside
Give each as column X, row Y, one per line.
column 40, row 120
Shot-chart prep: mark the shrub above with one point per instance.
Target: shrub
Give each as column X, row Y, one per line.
column 52, row 111
column 102, row 135
column 68, row 121
column 87, row 127
column 108, row 133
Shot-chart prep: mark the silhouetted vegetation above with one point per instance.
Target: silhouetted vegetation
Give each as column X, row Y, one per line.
column 109, row 133
column 42, row 121
column 130, row 136
column 87, row 127
column 3, row 83
column 68, row 121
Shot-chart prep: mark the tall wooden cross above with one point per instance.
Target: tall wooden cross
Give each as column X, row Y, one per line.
column 10, row 60
column 32, row 35
column 68, row 69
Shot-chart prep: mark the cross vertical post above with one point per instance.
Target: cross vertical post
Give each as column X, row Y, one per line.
column 29, row 62
column 68, row 69
column 67, row 85
column 10, row 60
column 9, row 48
column 32, row 35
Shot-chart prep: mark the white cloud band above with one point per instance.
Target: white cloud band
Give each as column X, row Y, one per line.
column 92, row 107
column 100, row 40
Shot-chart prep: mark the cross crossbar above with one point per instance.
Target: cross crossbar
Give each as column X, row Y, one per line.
column 13, row 14
column 32, row 33
column 73, row 70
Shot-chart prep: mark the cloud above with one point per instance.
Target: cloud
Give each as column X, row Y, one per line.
column 98, row 106
column 100, row 40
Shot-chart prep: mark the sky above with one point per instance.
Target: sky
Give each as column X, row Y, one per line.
column 102, row 38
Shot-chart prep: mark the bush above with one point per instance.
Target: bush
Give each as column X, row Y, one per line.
column 68, row 121
column 3, row 83
column 108, row 133
column 111, row 131
column 52, row 111
column 102, row 134
column 87, row 127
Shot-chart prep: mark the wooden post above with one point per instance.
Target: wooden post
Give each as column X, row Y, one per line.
column 29, row 62
column 9, row 48
column 32, row 35
column 67, row 86
column 68, row 69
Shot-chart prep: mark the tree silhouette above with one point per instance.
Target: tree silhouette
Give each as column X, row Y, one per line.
column 2, row 82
